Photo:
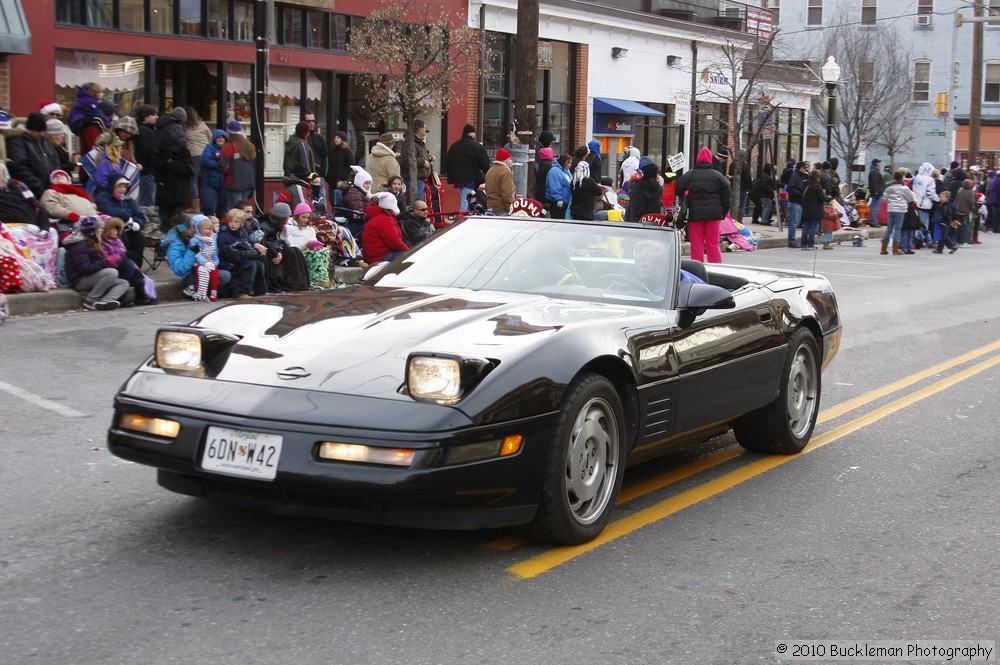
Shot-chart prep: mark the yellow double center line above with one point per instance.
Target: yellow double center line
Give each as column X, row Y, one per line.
column 550, row 559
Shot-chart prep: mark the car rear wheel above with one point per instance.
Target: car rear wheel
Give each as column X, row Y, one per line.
column 785, row 425
column 586, row 465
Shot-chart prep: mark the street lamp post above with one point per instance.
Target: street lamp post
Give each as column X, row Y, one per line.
column 831, row 74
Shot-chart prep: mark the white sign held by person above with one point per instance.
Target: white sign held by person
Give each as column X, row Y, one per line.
column 677, row 162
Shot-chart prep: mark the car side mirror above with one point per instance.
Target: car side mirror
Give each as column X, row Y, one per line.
column 694, row 299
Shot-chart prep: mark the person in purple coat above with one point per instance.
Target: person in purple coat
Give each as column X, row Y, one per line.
column 87, row 268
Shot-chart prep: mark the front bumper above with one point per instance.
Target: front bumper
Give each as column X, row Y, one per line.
column 489, row 493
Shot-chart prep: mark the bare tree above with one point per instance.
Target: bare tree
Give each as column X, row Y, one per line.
column 874, row 88
column 742, row 69
column 414, row 55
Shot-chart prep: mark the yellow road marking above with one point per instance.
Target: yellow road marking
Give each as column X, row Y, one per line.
column 548, row 560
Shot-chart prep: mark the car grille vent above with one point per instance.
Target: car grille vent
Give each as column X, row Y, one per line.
column 657, row 418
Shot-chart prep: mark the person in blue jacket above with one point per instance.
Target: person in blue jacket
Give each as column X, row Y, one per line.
column 115, row 202
column 212, row 201
column 558, row 185
column 183, row 259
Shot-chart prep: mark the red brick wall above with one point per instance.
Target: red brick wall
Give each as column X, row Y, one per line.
column 4, row 82
column 580, row 99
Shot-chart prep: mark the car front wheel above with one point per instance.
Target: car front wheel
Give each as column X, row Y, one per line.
column 785, row 425
column 586, row 465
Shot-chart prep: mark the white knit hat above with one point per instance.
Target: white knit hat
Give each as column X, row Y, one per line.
column 387, row 201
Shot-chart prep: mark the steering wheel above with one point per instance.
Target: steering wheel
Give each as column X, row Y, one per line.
column 611, row 278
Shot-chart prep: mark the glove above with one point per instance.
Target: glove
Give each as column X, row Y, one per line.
column 131, row 226
column 209, row 266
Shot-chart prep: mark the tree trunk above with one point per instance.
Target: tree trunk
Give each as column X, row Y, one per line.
column 526, row 79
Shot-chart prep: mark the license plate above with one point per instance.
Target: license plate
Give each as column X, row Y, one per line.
column 236, row 452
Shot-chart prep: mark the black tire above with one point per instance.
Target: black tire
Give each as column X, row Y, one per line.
column 585, row 466
column 785, row 425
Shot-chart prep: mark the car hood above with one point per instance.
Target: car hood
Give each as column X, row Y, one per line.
column 357, row 341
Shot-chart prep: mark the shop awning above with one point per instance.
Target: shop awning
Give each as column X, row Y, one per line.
column 15, row 37
column 622, row 107
column 114, row 72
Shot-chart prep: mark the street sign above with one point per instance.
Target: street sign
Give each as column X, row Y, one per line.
column 933, row 133
column 682, row 108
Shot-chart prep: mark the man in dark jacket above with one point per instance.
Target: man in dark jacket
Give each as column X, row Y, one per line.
column 32, row 156
column 467, row 164
column 876, row 185
column 299, row 158
column 746, row 182
column 956, row 178
column 796, row 187
column 174, row 166
column 763, row 195
column 416, row 183
column 316, row 141
column 144, row 143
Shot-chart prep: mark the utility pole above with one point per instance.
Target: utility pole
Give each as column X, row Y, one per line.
column 976, row 98
column 526, row 84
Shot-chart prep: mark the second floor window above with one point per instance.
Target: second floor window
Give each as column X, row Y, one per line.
column 814, row 15
column 991, row 91
column 774, row 6
column 925, row 12
column 868, row 10
column 922, row 81
column 866, row 82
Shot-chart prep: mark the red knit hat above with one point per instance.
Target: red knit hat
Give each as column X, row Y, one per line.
column 502, row 154
column 704, row 156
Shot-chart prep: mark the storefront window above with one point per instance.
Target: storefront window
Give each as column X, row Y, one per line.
column 100, row 13
column 162, row 16
column 338, row 37
column 218, row 19
column 243, row 21
column 291, row 26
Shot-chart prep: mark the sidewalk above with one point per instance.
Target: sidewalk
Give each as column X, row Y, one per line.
column 168, row 285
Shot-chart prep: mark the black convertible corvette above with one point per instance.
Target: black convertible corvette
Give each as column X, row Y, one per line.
column 504, row 372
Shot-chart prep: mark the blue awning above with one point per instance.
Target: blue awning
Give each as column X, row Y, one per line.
column 15, row 37
column 622, row 107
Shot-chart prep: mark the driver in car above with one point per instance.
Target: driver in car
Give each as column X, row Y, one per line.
column 650, row 270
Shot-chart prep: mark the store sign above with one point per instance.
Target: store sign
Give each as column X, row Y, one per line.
column 682, row 108
column 714, row 78
column 545, row 55
column 613, row 124
column 760, row 23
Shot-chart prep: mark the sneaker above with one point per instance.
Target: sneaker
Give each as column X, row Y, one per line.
column 953, row 250
column 793, row 245
column 89, row 304
column 199, row 298
column 105, row 305
column 189, row 292
column 242, row 296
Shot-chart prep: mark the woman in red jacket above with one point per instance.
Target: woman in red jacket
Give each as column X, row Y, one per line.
column 382, row 239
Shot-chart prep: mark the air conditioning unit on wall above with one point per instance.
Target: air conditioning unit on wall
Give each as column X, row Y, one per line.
column 924, row 20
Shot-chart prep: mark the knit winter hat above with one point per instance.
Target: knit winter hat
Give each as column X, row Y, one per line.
column 502, row 154
column 89, row 225
column 361, row 177
column 468, row 129
column 954, row 165
column 35, row 122
column 109, row 139
column 650, row 171
column 59, row 172
column 120, row 179
column 704, row 156
column 281, row 209
column 387, row 138
column 302, row 208
column 127, row 123
column 235, row 127
column 386, row 201
column 50, row 107
column 342, row 135
column 546, row 153
column 107, row 107
column 179, row 114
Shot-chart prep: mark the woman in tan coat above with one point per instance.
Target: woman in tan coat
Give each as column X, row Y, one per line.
column 381, row 163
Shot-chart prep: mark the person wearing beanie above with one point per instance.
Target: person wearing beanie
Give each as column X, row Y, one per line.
column 645, row 194
column 796, row 188
column 355, row 199
column 876, row 186
column 286, row 265
column 59, row 135
column 954, row 180
column 183, row 259
column 466, row 164
column 179, row 114
column 382, row 239
column 128, row 269
column 381, row 162
column 500, row 183
column 339, row 161
column 706, row 194
column 87, row 267
column 65, row 201
column 212, row 198
column 143, row 144
column 50, row 110
column 299, row 158
column 174, row 167
column 115, row 202
column 545, row 158
column 594, row 160
column 31, row 155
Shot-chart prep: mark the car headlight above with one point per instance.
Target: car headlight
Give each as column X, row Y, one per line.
column 193, row 351
column 443, row 378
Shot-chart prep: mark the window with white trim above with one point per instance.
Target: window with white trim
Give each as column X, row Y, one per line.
column 991, row 86
column 922, row 81
column 869, row 9
column 814, row 13
column 774, row 6
column 925, row 13
column 866, row 80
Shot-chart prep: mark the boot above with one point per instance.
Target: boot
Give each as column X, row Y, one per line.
column 896, row 251
column 827, row 245
column 196, row 204
column 885, row 247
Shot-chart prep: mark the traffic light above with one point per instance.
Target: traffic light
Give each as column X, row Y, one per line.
column 941, row 104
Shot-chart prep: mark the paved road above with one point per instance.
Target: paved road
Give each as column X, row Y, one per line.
column 887, row 529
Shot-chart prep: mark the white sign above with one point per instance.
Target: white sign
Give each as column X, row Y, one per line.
column 682, row 108
column 677, row 162
column 760, row 23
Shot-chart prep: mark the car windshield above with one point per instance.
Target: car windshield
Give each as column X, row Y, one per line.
column 577, row 260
